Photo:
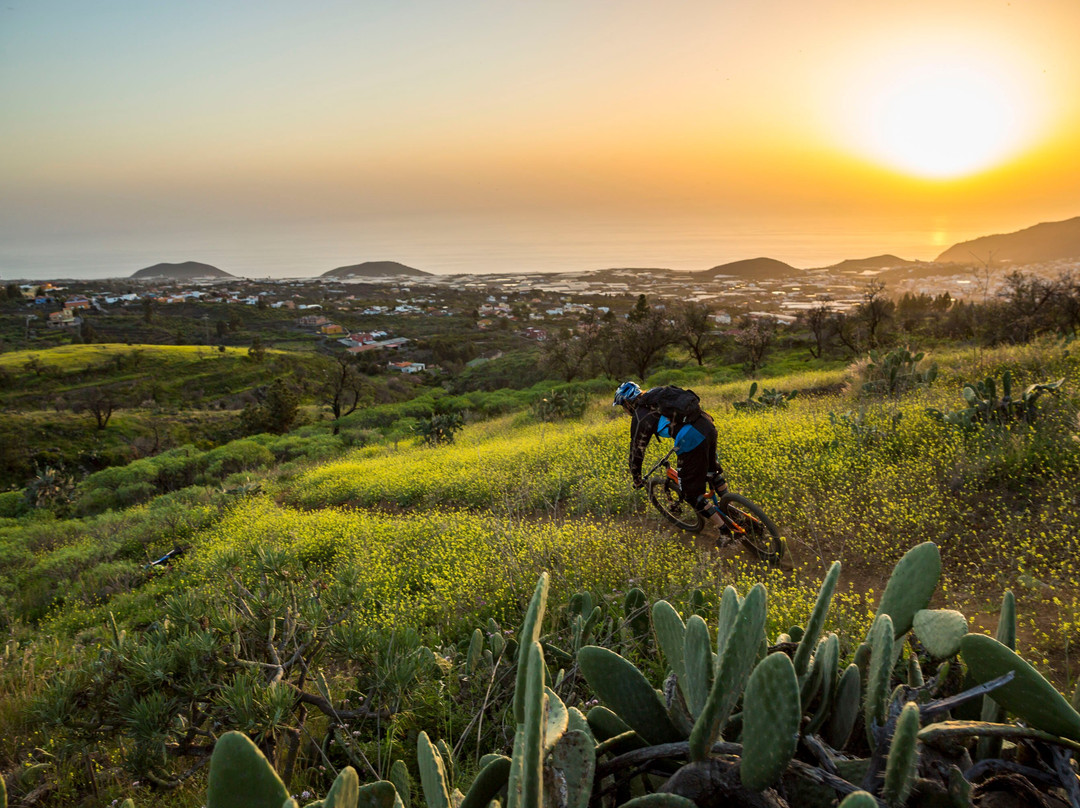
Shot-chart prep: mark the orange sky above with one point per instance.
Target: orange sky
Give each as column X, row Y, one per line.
column 125, row 114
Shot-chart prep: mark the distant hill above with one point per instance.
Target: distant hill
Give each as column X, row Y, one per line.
column 753, row 269
column 375, row 269
column 874, row 262
column 187, row 271
column 1049, row 241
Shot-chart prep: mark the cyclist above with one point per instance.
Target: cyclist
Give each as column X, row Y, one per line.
column 695, row 448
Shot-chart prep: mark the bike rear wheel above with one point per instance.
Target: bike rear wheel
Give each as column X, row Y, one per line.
column 666, row 497
column 760, row 536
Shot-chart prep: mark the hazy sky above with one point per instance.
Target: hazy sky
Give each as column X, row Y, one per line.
column 214, row 125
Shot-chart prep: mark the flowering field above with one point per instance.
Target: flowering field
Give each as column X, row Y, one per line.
column 859, row 479
column 384, row 562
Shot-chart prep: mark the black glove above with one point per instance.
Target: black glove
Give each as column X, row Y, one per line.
column 638, row 482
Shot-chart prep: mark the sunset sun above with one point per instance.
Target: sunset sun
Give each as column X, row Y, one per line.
column 941, row 119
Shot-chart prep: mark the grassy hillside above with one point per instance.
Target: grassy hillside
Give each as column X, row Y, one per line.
column 369, row 555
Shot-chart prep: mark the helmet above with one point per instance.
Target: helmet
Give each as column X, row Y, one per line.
column 627, row 393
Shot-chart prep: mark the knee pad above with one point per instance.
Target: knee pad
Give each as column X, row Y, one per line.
column 705, row 506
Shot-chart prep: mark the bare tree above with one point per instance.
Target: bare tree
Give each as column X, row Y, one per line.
column 642, row 342
column 756, row 336
column 693, row 329
column 342, row 389
column 862, row 329
column 821, row 322
column 99, row 402
column 572, row 354
column 874, row 311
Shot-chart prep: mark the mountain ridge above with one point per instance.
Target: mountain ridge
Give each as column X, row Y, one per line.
column 375, row 269
column 183, row 271
column 1046, row 241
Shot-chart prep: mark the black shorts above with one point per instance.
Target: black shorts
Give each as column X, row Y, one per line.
column 695, row 465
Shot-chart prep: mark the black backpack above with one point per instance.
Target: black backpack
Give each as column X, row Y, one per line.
column 676, row 404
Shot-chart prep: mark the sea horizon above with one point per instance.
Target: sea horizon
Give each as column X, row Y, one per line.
column 482, row 247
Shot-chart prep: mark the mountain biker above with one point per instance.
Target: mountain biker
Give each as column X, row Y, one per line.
column 695, row 448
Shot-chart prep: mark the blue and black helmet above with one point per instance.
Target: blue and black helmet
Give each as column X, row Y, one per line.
column 627, row 393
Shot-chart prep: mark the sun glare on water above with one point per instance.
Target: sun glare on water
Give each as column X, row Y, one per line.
column 941, row 118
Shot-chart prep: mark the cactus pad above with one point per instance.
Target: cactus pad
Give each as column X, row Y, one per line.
column 740, row 654
column 817, row 619
column 859, row 799
column 1028, row 695
column 940, row 631
column 771, row 715
column 242, row 777
column 698, row 661
column 911, row 585
column 903, row 757
column 670, row 636
column 879, row 673
column 623, row 688
column 487, row 784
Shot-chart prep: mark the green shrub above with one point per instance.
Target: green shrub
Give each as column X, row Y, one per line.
column 12, row 504
column 560, row 404
column 239, row 455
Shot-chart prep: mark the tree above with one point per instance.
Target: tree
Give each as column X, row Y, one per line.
column 693, row 329
column 222, row 328
column 99, row 402
column 148, row 309
column 571, row 354
column 640, row 311
column 642, row 341
column 874, row 311
column 821, row 322
column 755, row 336
column 275, row 411
column 342, row 389
column 863, row 328
column 257, row 351
column 12, row 292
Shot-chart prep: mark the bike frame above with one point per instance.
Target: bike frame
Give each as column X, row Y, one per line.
column 673, row 475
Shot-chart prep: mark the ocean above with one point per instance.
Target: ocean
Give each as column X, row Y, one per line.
column 475, row 244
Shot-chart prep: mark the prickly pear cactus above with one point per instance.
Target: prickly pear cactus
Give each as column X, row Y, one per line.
column 241, row 776
column 575, row 757
column 345, row 792
column 530, row 632
column 698, row 661
column 670, row 636
column 380, row 794
column 622, row 687
column 911, row 585
column 729, row 610
column 903, row 757
column 817, row 619
column 659, row 800
column 399, row 776
column 1028, row 695
column 432, row 773
column 487, row 784
column 859, row 799
column 771, row 716
column 846, row 707
column 879, row 673
column 740, row 654
column 940, row 631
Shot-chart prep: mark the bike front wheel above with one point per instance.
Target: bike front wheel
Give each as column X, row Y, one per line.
column 760, row 534
column 666, row 497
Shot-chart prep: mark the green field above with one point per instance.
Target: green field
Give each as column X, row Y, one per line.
column 373, row 552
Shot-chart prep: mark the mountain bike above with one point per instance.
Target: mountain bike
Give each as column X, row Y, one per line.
column 744, row 521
